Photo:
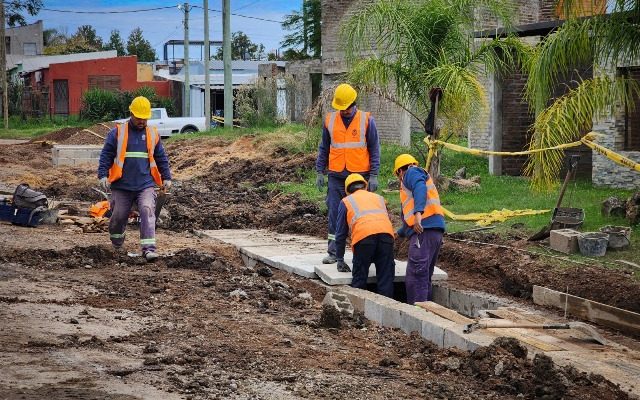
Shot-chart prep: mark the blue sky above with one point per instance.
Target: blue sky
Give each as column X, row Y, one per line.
column 162, row 25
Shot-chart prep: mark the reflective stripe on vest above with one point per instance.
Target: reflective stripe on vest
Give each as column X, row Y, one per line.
column 348, row 148
column 366, row 215
column 432, row 205
column 122, row 138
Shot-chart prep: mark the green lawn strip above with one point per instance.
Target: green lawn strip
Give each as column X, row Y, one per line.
column 34, row 127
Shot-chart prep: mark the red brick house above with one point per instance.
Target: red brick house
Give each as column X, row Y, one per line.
column 67, row 81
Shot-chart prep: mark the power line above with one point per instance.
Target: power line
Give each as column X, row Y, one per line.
column 108, row 12
column 242, row 16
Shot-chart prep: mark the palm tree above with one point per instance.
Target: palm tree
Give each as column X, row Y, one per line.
column 600, row 40
column 401, row 49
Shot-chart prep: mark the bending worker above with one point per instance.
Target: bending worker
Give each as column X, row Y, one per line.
column 365, row 214
column 349, row 144
column 132, row 163
column 423, row 222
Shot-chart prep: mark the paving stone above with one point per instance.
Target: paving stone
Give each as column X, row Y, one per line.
column 454, row 337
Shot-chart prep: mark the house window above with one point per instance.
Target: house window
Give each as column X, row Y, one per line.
column 632, row 114
column 29, row 49
column 106, row 82
column 7, row 43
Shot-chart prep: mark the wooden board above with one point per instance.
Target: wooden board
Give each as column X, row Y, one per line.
column 626, row 321
column 444, row 312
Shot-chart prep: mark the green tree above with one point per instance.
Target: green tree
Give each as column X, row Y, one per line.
column 88, row 35
column 401, row 49
column 53, row 37
column 304, row 41
column 242, row 48
column 14, row 10
column 137, row 45
column 115, row 43
column 600, row 40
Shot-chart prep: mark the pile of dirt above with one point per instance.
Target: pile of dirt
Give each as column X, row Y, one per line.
column 76, row 257
column 76, row 135
column 57, row 136
column 233, row 195
column 505, row 271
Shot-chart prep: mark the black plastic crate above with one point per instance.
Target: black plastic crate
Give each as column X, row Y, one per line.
column 6, row 212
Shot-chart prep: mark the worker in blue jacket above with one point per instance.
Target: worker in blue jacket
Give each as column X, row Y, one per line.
column 132, row 163
column 422, row 222
column 349, row 144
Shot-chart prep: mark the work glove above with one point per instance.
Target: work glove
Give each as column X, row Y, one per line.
column 105, row 185
column 373, row 183
column 343, row 267
column 320, row 182
column 166, row 184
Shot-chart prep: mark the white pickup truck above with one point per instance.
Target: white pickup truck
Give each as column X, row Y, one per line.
column 168, row 126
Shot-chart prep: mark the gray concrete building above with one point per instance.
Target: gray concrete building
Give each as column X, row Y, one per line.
column 24, row 41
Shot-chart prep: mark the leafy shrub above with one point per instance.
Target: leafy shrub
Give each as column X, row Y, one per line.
column 257, row 104
column 99, row 105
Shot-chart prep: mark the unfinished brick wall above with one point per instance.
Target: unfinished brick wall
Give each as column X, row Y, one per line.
column 393, row 123
column 547, row 10
column 516, row 120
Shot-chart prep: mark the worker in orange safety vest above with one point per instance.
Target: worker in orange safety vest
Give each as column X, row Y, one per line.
column 365, row 215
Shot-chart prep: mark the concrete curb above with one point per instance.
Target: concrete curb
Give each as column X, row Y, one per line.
column 393, row 314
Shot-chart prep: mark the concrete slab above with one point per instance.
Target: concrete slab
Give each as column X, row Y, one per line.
column 330, row 275
column 298, row 254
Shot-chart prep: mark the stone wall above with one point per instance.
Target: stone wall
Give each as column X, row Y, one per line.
column 300, row 87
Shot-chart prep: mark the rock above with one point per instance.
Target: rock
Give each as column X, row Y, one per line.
column 613, row 207
column 151, row 347
column 280, row 284
column 265, row 271
column 338, row 301
column 475, row 179
column 452, row 363
column 88, row 266
column 499, row 368
column 239, row 294
column 73, row 321
column 461, row 173
column 208, row 283
column 464, row 185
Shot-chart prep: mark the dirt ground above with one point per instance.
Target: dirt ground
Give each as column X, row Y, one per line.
column 81, row 322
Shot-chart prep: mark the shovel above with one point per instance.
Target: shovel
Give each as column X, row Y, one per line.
column 578, row 326
column 546, row 231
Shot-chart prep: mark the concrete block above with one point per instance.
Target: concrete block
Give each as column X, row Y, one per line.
column 440, row 295
column 60, row 161
column 454, row 337
column 339, row 301
column 86, row 161
column 356, row 296
column 375, row 309
column 248, row 261
column 433, row 327
column 564, row 240
column 410, row 318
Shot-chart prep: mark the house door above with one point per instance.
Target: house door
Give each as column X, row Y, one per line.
column 61, row 97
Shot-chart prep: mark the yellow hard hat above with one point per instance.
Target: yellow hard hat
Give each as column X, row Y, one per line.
column 353, row 178
column 344, row 96
column 403, row 160
column 141, row 107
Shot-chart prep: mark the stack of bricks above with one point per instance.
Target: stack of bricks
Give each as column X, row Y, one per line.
column 75, row 155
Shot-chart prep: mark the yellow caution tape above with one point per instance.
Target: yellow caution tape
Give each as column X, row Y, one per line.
column 613, row 156
column 586, row 140
column 484, row 219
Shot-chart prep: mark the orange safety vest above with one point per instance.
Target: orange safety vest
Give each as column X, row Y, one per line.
column 115, row 172
column 366, row 215
column 432, row 207
column 348, row 144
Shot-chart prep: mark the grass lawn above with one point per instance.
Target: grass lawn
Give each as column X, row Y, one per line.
column 496, row 193
column 19, row 129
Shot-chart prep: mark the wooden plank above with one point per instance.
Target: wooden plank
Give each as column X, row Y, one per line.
column 444, row 312
column 623, row 320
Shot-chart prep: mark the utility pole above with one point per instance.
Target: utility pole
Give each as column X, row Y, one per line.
column 226, row 56
column 207, row 83
column 187, row 87
column 3, row 67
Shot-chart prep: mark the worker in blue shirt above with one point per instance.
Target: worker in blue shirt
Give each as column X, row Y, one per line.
column 422, row 222
column 349, row 144
column 132, row 163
